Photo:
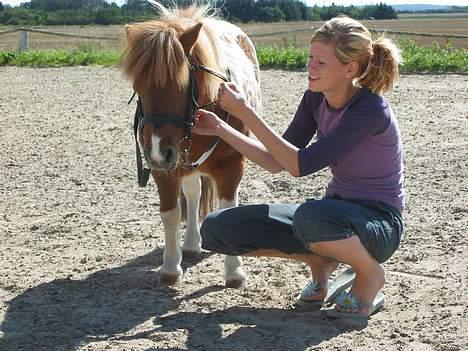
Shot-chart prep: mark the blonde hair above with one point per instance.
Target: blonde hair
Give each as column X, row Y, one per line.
column 378, row 60
column 153, row 55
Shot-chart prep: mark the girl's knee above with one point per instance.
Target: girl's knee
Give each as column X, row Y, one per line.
column 209, row 229
column 219, row 232
column 308, row 216
column 319, row 220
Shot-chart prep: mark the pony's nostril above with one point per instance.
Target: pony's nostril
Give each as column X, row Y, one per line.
column 168, row 154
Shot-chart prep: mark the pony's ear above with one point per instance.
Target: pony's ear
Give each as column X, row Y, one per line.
column 128, row 29
column 189, row 37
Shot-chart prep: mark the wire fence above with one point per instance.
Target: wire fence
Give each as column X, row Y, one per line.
column 23, row 35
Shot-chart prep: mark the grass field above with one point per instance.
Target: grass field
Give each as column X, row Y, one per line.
column 265, row 33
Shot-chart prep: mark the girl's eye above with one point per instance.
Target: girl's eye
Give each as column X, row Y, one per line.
column 321, row 63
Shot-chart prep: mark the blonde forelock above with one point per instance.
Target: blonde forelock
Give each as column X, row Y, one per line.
column 153, row 55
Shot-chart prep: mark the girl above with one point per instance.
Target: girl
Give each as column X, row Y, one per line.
column 359, row 220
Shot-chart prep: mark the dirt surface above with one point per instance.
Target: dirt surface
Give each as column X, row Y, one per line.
column 81, row 244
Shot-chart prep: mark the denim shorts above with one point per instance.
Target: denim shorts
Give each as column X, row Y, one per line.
column 291, row 228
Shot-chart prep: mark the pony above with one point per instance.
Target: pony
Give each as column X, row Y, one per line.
column 176, row 64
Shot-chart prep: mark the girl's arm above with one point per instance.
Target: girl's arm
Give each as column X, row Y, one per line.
column 207, row 123
column 285, row 153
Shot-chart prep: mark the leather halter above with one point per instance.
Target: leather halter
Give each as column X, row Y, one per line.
column 186, row 122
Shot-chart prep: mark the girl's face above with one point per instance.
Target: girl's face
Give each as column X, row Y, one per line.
column 326, row 73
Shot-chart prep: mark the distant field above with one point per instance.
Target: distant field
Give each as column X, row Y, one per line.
column 456, row 24
column 443, row 24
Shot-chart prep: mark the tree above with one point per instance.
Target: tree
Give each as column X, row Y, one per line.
column 240, row 10
column 69, row 12
column 270, row 14
column 136, row 5
column 57, row 5
column 107, row 16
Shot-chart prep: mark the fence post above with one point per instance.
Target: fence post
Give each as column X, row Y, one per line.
column 23, row 40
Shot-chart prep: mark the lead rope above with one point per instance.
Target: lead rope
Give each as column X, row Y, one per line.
column 206, row 154
column 143, row 172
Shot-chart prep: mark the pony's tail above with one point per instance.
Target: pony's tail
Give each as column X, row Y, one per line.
column 382, row 69
column 207, row 199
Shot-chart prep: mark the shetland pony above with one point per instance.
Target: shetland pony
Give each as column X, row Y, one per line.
column 176, row 65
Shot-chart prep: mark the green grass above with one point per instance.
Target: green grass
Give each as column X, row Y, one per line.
column 82, row 56
column 290, row 58
column 416, row 59
column 433, row 60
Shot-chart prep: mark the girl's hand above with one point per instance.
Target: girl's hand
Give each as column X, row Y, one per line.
column 231, row 100
column 206, row 123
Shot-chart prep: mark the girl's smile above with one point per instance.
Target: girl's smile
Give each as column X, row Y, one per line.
column 328, row 75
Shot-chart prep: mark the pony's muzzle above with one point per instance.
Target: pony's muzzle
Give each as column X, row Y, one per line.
column 166, row 158
column 168, row 153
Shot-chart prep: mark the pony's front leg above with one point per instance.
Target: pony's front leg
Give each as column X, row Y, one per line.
column 234, row 274
column 191, row 186
column 170, row 212
column 172, row 257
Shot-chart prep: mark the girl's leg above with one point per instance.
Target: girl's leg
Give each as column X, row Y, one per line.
column 321, row 268
column 360, row 233
column 370, row 277
column 263, row 230
column 245, row 229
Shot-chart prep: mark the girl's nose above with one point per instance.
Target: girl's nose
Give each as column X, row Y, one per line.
column 310, row 65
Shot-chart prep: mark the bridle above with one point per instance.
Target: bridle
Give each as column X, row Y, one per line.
column 186, row 122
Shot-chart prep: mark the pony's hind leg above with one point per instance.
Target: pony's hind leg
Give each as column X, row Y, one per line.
column 191, row 186
column 170, row 211
column 227, row 184
column 234, row 274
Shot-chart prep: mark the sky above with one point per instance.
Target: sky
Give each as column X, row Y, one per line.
column 329, row 2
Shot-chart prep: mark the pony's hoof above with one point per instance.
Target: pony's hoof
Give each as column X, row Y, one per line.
column 236, row 283
column 167, row 280
column 190, row 255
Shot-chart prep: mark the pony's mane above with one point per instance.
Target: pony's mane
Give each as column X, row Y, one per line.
column 153, row 55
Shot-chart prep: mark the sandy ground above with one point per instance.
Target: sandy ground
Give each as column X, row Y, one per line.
column 81, row 244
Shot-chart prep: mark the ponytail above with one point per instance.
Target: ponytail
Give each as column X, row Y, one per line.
column 378, row 60
column 382, row 68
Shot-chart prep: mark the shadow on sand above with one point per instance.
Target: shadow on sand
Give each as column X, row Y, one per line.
column 67, row 314
column 247, row 328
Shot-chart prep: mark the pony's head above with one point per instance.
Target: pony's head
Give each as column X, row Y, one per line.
column 158, row 59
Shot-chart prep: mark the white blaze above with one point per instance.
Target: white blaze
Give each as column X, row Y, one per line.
column 155, row 149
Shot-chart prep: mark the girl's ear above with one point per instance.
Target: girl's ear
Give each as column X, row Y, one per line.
column 352, row 69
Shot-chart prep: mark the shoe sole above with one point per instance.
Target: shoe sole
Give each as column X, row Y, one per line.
column 379, row 301
column 341, row 282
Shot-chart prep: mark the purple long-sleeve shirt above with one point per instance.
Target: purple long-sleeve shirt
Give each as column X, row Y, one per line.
column 360, row 142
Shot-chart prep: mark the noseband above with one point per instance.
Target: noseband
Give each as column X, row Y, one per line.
column 186, row 122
